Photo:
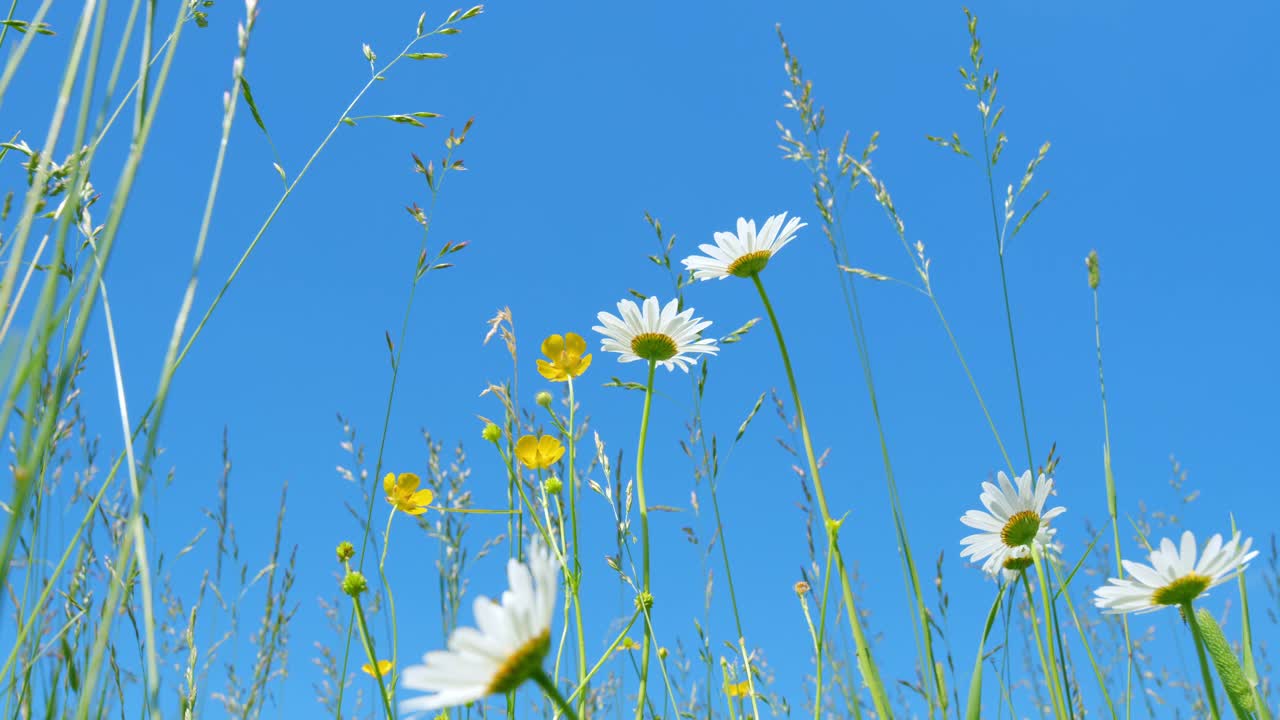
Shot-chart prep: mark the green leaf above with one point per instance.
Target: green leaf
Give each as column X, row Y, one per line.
column 1067, row 583
column 253, row 107
column 426, row 56
column 973, row 710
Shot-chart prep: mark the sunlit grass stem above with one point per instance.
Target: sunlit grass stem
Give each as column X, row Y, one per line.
column 1109, row 477
column 576, row 566
column 867, row 666
column 646, row 595
column 367, row 641
column 1189, row 614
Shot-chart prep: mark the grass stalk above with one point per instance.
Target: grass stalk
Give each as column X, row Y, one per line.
column 866, row 664
column 646, row 597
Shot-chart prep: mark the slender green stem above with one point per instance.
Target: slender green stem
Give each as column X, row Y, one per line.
column 1050, row 678
column 955, row 344
column 817, row 653
column 1004, row 286
column 1112, row 510
column 608, row 653
column 645, row 593
column 576, row 566
column 1084, row 638
column 1189, row 614
column 1052, row 637
column 866, row 665
column 553, row 693
column 386, row 587
column 367, row 640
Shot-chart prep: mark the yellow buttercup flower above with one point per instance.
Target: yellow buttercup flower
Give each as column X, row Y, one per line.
column 567, row 359
column 383, row 667
column 738, row 689
column 403, row 493
column 540, row 452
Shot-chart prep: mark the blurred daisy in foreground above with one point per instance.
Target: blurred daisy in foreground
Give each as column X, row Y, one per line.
column 1014, row 524
column 665, row 335
column 508, row 647
column 745, row 253
column 1174, row 576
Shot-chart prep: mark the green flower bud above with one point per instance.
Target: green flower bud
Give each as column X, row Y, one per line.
column 553, row 486
column 491, row 432
column 346, row 551
column 354, row 584
column 543, row 398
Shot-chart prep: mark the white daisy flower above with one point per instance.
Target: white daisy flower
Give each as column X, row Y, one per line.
column 666, row 336
column 508, row 648
column 747, row 252
column 1174, row 577
column 1014, row 521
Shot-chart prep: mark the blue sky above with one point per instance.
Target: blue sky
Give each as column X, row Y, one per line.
column 588, row 116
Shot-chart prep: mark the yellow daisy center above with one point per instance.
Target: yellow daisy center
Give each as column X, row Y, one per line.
column 750, row 264
column 522, row 663
column 653, row 346
column 1184, row 589
column 1021, row 528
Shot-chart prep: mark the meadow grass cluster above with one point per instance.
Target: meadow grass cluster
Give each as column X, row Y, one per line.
column 96, row 627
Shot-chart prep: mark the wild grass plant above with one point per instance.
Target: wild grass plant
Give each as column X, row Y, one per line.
column 99, row 624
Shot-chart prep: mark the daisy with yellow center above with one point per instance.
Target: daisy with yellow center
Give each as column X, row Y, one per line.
column 382, row 669
column 566, row 357
column 506, row 648
column 1014, row 525
column 1175, row 575
column 403, row 493
column 664, row 335
column 539, row 452
column 745, row 253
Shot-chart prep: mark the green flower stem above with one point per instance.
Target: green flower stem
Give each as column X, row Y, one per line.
column 1051, row 636
column 644, row 541
column 576, row 567
column 608, row 653
column 866, row 665
column 367, row 641
column 1084, row 639
column 549, row 687
column 1050, row 677
column 386, row 586
column 1189, row 614
column 817, row 653
column 1111, row 501
column 1004, row 286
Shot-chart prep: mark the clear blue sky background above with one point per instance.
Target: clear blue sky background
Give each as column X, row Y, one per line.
column 588, row 115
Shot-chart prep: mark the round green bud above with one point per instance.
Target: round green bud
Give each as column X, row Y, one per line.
column 491, row 432
column 553, row 486
column 644, row 601
column 346, row 551
column 543, row 398
column 354, row 583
